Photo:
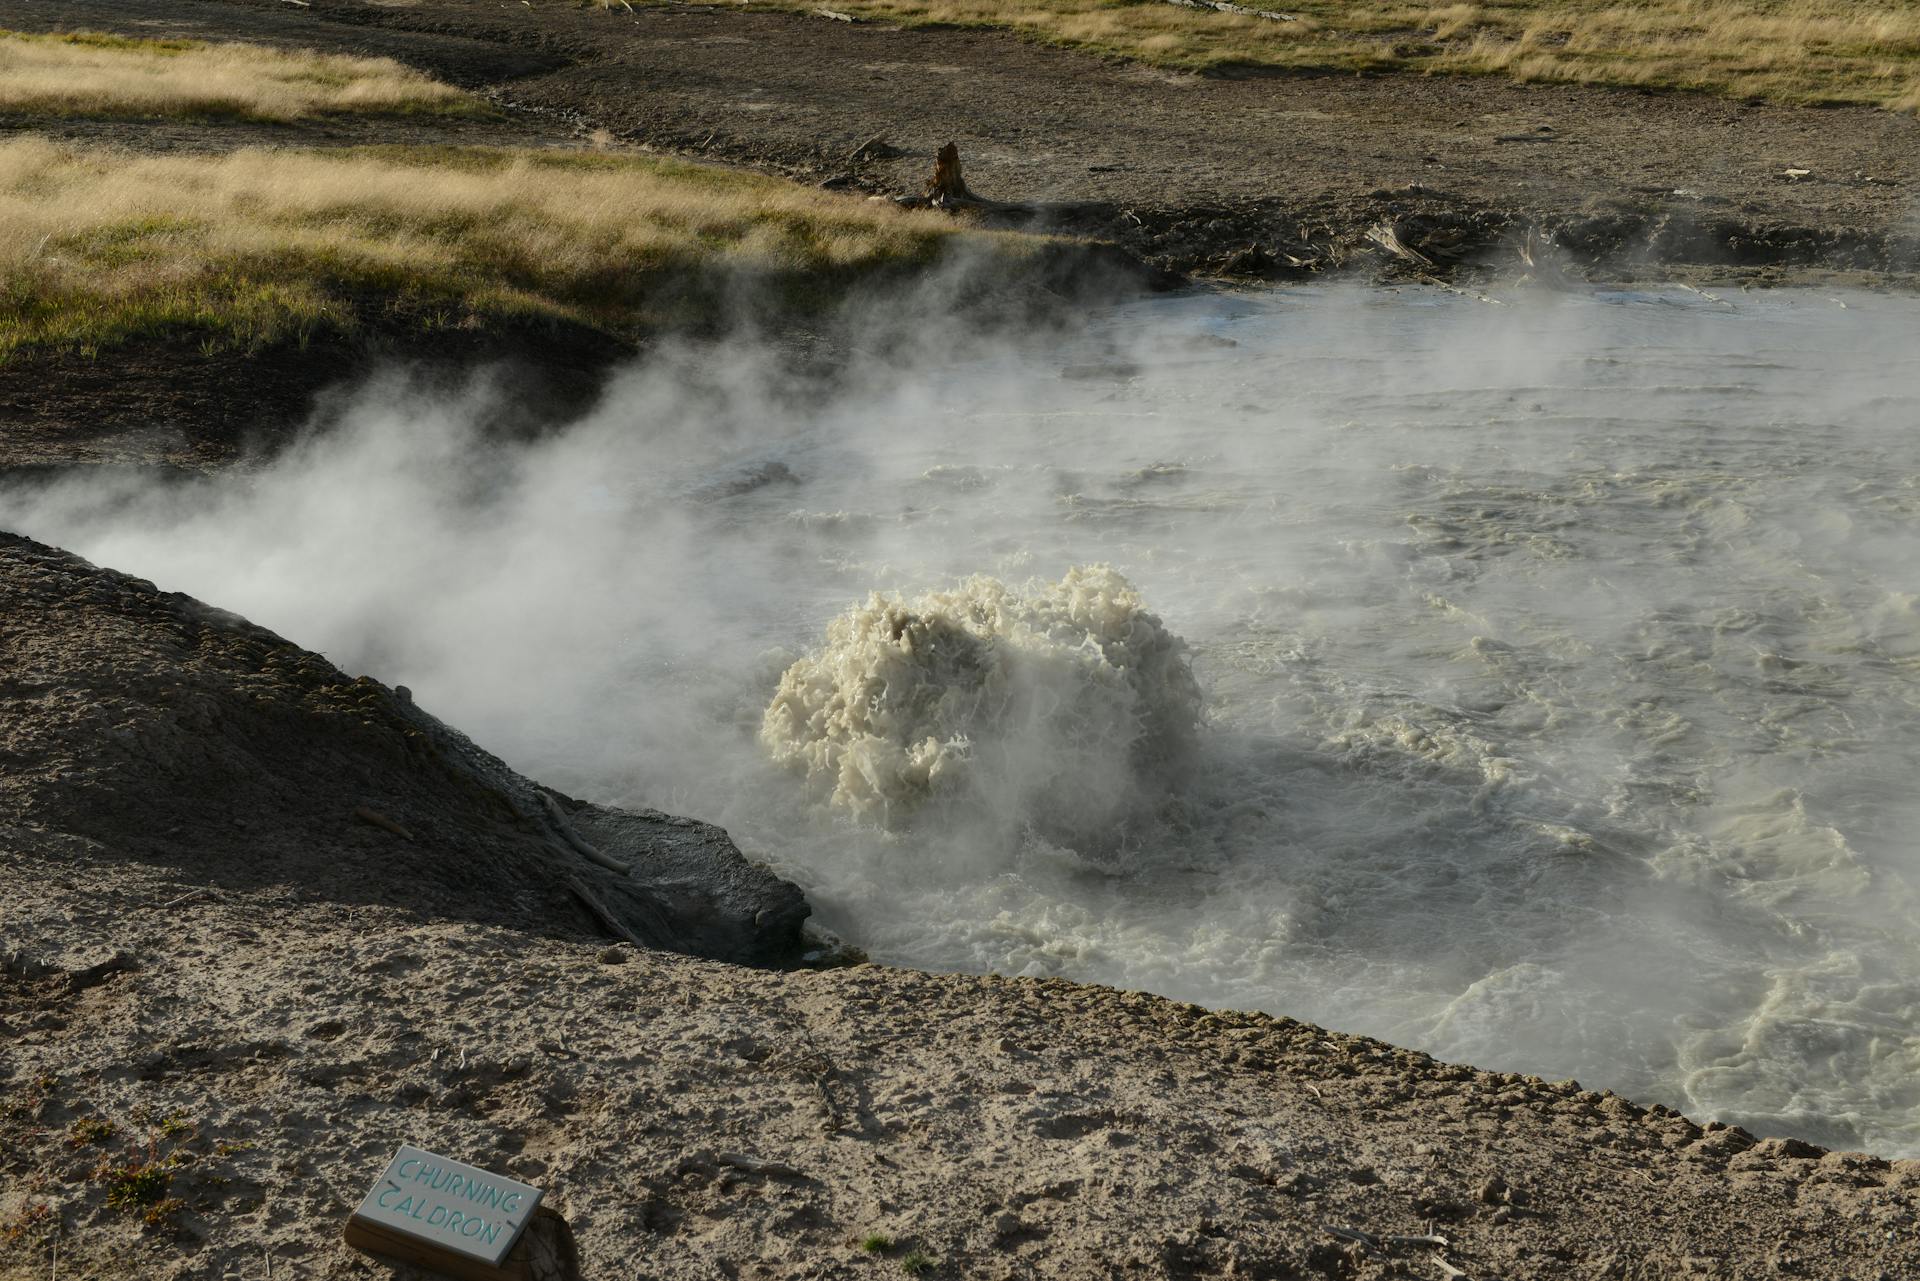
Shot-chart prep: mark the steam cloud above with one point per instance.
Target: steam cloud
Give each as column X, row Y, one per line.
column 1548, row 652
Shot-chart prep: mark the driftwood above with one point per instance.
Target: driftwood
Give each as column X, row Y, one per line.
column 751, row 1165
column 664, row 935
column 874, row 148
column 1437, row 283
column 578, row 843
column 706, row 1162
column 1705, row 296
column 1372, row 1242
column 374, row 818
column 1528, row 243
column 608, row 921
column 1383, row 234
column 1223, row 6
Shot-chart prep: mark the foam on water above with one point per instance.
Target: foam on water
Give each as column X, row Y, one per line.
column 1065, row 707
column 1561, row 662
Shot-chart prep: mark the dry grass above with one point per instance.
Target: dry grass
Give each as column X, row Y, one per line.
column 86, row 73
column 1798, row 51
column 99, row 247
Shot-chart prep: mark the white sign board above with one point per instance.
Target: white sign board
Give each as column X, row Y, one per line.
column 449, row 1205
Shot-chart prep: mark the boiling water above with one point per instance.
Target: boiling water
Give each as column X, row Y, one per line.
column 1560, row 661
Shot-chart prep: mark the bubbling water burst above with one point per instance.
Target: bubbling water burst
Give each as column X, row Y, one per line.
column 1065, row 706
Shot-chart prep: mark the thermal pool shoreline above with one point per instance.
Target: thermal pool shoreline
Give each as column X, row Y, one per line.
column 260, row 1041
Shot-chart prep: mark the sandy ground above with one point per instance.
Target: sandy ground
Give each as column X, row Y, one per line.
column 212, row 969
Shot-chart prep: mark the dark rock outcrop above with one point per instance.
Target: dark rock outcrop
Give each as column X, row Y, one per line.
column 141, row 725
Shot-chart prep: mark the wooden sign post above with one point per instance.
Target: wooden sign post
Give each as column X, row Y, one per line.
column 445, row 1215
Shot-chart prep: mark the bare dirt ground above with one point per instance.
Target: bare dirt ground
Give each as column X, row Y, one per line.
column 1247, row 176
column 1264, row 177
column 252, row 1007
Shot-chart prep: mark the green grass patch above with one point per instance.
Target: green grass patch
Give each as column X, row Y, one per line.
column 90, row 73
column 87, row 1131
column 234, row 252
column 1792, row 51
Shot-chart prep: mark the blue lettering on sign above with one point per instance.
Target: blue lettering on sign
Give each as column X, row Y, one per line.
column 449, row 1203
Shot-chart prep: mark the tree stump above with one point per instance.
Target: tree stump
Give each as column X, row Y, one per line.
column 551, row 1252
column 948, row 187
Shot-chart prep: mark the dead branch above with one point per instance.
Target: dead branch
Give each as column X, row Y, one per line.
column 706, row 1161
column 874, row 148
column 578, row 843
column 1474, row 294
column 1373, row 1242
column 1383, row 234
column 646, row 909
column 1448, row 1271
column 835, row 15
column 749, row 1165
column 608, row 921
column 374, row 818
column 1704, row 295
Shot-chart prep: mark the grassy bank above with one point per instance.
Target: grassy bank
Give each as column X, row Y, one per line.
column 100, row 247
column 91, row 74
column 1795, row 51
